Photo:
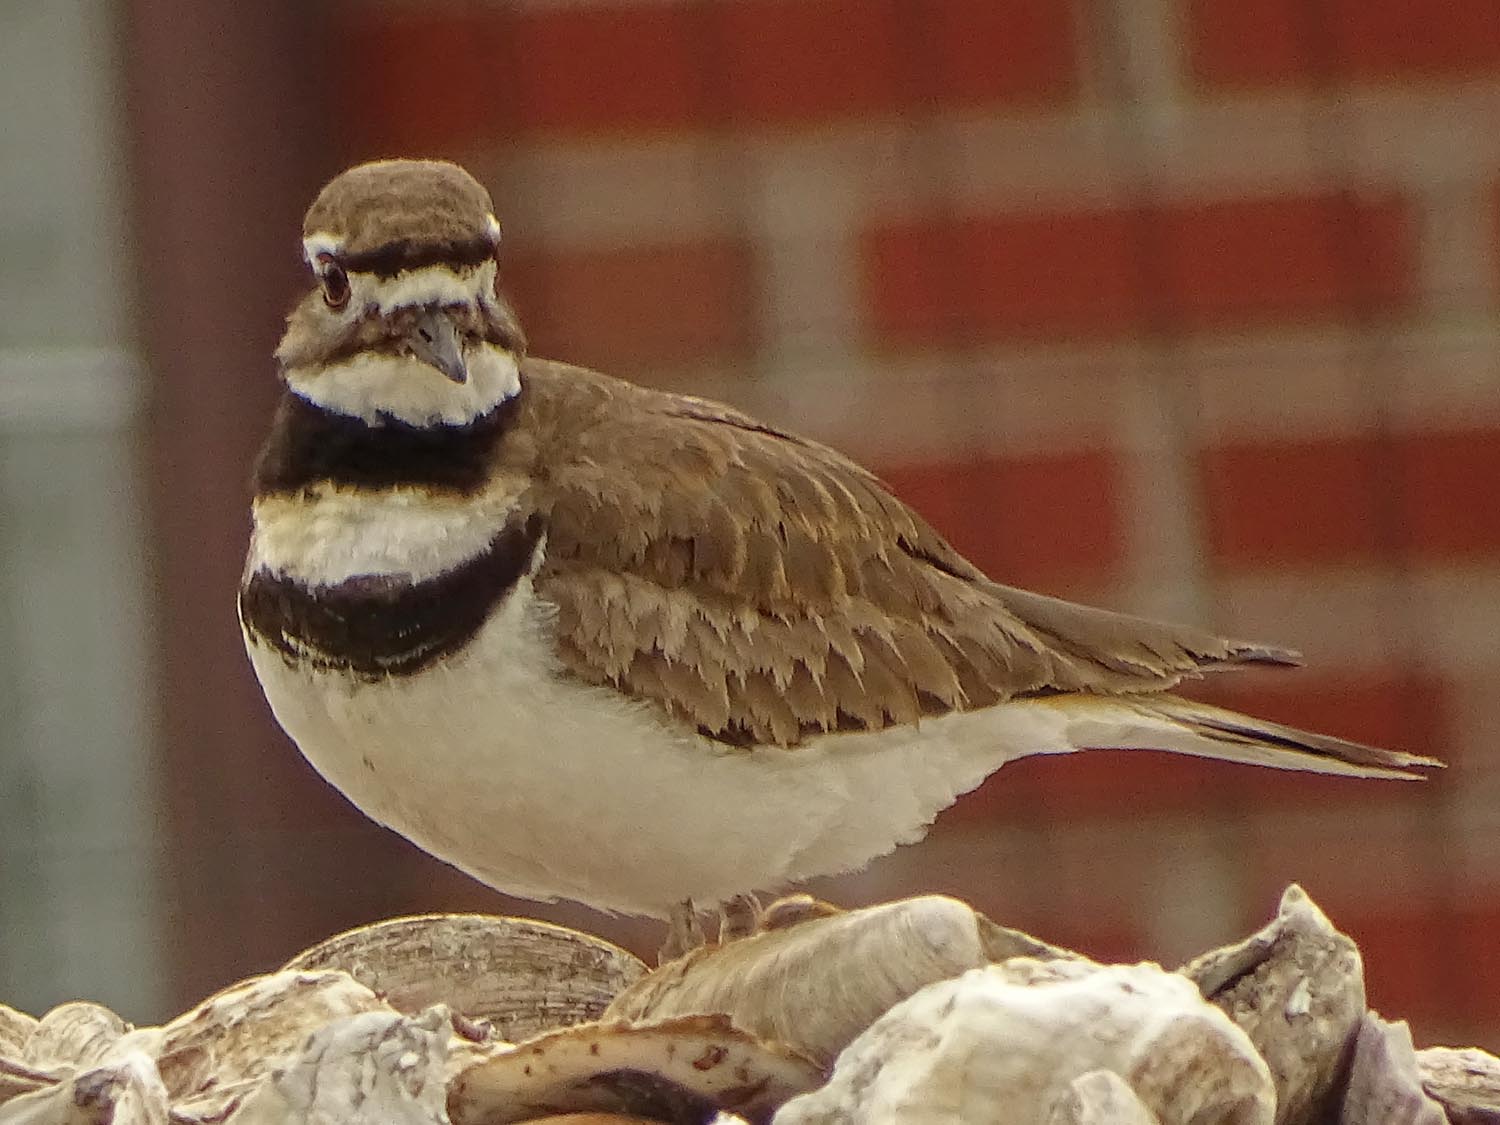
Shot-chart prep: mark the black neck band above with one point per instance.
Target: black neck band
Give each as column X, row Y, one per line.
column 309, row 444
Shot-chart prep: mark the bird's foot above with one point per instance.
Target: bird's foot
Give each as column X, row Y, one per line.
column 739, row 917
column 684, row 934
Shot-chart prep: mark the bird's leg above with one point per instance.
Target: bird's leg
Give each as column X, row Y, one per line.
column 738, row 917
column 684, row 934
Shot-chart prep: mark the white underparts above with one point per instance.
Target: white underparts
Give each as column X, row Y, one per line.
column 547, row 787
column 370, row 385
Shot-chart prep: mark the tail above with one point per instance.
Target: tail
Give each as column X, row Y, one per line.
column 1184, row 726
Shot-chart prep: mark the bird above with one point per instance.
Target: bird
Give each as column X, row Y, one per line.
column 587, row 640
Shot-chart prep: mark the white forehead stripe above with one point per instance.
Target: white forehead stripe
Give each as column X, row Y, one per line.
column 492, row 225
column 431, row 285
column 320, row 243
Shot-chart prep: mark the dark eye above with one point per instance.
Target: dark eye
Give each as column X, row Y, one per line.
column 335, row 282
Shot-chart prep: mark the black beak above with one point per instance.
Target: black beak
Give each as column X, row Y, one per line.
column 435, row 341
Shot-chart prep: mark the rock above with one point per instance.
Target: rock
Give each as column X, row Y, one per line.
column 679, row 1070
column 1465, row 1080
column 1007, row 1043
column 820, row 979
column 126, row 1091
column 1297, row 989
column 213, row 1055
column 1384, row 1087
column 374, row 1068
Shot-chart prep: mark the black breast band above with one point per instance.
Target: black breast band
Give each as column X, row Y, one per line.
column 385, row 625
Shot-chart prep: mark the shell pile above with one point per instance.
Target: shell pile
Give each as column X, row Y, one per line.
column 920, row 1011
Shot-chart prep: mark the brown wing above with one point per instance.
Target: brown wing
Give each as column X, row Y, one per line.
column 766, row 589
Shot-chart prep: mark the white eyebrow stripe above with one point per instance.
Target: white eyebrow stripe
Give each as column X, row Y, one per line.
column 319, row 243
column 431, row 285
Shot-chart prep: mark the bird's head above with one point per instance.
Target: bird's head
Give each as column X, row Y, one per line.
column 405, row 321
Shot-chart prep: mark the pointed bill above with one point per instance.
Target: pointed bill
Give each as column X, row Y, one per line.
column 435, row 341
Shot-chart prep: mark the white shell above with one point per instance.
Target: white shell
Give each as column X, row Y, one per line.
column 1101, row 1097
column 375, row 1068
column 76, row 1034
column 1384, row 1087
column 520, row 976
column 817, row 984
column 1465, row 1080
column 1297, row 989
column 1005, row 1043
column 17, row 1074
column 126, row 1091
column 214, row 1054
column 15, row 1029
column 695, row 1063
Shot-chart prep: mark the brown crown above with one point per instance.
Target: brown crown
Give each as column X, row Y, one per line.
column 401, row 203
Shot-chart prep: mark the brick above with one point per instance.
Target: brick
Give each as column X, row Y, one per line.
column 1034, row 521
column 1097, row 783
column 1001, row 51
column 1475, row 930
column 1267, row 42
column 1293, row 502
column 414, row 80
column 605, row 69
column 1409, row 960
column 1256, row 260
column 790, row 62
column 1111, row 271
column 1448, row 483
column 623, row 310
column 1352, row 499
column 1059, row 273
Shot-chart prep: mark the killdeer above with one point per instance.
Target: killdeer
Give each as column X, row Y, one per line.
column 587, row 640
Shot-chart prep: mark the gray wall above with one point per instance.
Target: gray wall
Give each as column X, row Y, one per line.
column 78, row 840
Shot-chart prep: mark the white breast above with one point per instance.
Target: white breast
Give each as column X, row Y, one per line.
column 336, row 534
column 545, row 788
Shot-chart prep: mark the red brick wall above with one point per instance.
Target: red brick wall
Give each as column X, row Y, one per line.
column 1188, row 307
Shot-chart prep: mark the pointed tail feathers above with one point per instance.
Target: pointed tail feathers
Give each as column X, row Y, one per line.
column 1185, row 726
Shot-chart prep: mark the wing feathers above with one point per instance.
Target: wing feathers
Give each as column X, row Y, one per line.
column 766, row 589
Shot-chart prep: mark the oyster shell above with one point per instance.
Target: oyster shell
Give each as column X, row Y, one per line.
column 1101, row 1097
column 76, row 1034
column 1384, row 1087
column 1006, row 1043
column 1297, row 989
column 126, row 1091
column 523, row 977
column 15, row 1029
column 675, row 1070
column 374, row 1068
column 17, row 1078
column 214, row 1054
column 818, row 980
column 1465, row 1080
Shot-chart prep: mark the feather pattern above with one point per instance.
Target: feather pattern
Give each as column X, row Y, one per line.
column 766, row 590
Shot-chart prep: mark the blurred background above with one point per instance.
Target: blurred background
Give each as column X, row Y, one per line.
column 1186, row 307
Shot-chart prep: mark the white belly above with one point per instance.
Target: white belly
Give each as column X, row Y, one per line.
column 547, row 788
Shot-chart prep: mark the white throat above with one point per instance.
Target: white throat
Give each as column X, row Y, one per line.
column 372, row 385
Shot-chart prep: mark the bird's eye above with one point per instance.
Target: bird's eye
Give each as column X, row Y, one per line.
column 335, row 282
